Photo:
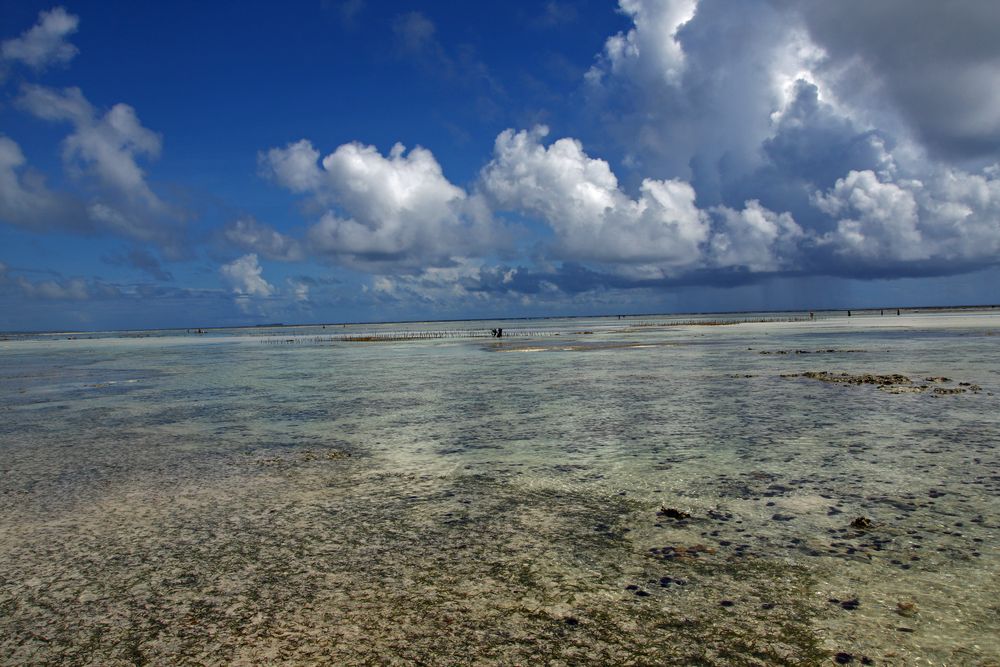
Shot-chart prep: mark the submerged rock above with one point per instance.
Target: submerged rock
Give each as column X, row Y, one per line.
column 862, row 523
column 673, row 513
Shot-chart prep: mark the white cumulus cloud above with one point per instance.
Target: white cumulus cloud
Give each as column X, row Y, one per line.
column 661, row 233
column 756, row 239
column 44, row 44
column 579, row 197
column 395, row 212
column 105, row 145
column 294, row 166
column 950, row 216
column 103, row 152
column 244, row 276
column 874, row 219
column 27, row 202
column 651, row 45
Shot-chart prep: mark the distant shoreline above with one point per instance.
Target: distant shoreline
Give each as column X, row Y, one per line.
column 206, row 329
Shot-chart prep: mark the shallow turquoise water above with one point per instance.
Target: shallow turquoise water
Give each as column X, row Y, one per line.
column 311, row 498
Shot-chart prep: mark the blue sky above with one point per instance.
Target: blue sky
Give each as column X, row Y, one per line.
column 209, row 164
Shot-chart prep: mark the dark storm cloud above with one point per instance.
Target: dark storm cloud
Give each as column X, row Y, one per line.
column 812, row 139
column 573, row 278
column 830, row 138
column 938, row 63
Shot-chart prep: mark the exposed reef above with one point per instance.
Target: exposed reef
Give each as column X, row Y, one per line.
column 827, row 351
column 894, row 383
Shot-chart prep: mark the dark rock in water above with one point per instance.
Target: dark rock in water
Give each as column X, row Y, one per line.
column 726, row 603
column 673, row 513
column 642, row 594
column 631, row 587
column 665, row 581
column 850, row 605
column 569, row 620
column 862, row 523
column 846, row 378
column 767, row 605
column 719, row 516
column 782, row 517
column 843, row 658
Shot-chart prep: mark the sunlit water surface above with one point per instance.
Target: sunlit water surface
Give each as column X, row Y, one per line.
column 416, row 494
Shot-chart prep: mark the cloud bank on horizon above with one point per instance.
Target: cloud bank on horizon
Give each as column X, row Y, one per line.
column 742, row 143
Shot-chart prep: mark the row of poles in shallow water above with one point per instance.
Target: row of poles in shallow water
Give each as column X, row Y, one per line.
column 390, row 336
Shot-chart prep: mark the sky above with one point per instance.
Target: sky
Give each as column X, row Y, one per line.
column 202, row 164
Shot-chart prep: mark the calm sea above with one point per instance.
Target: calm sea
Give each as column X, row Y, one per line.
column 726, row 489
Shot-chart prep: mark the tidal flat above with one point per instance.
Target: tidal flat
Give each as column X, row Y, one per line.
column 766, row 490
